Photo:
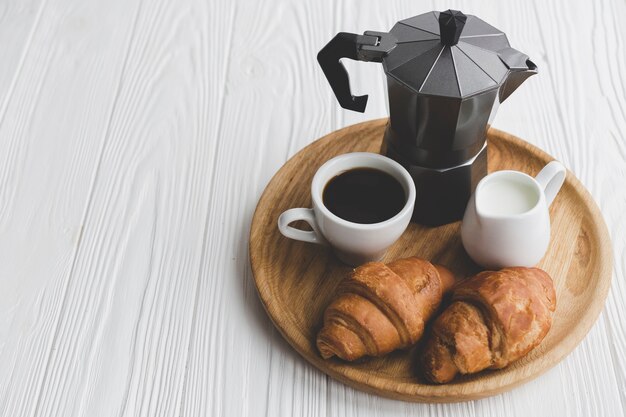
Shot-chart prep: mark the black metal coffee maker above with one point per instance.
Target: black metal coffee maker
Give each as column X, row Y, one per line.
column 446, row 75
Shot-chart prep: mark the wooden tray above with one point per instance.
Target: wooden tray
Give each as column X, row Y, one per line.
column 296, row 280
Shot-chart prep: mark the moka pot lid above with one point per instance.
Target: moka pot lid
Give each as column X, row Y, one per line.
column 447, row 54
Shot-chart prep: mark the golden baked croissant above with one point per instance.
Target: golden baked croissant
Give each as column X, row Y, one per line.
column 495, row 318
column 380, row 308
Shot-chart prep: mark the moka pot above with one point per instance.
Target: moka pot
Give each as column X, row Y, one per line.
column 447, row 73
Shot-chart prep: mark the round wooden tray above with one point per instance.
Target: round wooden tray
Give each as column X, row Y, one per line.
column 296, row 280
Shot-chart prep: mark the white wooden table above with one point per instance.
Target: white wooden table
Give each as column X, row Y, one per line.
column 136, row 137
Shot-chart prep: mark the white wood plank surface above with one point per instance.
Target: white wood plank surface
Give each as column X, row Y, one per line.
column 136, row 137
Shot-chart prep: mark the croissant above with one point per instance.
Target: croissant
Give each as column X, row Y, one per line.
column 380, row 308
column 495, row 318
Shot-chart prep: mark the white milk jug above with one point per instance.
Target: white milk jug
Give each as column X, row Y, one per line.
column 506, row 222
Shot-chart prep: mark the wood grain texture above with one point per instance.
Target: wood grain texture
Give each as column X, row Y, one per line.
column 129, row 305
column 297, row 281
column 194, row 106
column 51, row 134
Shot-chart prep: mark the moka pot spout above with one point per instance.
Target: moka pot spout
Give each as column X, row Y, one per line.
column 520, row 68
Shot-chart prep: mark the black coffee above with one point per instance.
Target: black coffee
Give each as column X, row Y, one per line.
column 364, row 195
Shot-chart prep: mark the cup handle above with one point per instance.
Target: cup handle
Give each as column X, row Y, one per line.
column 551, row 178
column 308, row 216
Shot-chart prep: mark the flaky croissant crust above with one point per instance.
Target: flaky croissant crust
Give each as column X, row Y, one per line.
column 495, row 318
column 380, row 308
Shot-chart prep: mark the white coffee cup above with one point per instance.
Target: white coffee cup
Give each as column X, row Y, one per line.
column 507, row 222
column 353, row 243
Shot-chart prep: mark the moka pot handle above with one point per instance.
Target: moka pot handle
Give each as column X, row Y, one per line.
column 371, row 46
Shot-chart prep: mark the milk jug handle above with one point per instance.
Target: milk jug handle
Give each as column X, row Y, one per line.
column 551, row 178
